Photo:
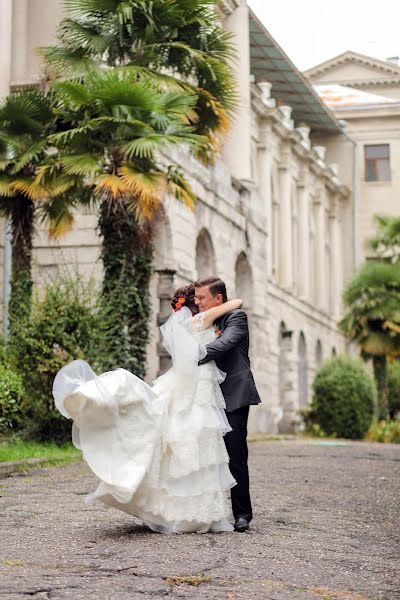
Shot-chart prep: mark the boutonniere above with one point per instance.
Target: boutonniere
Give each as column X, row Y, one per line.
column 217, row 330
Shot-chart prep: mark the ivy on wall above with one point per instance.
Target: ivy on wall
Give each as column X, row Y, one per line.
column 127, row 256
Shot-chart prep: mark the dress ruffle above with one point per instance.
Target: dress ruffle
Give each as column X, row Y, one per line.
column 159, row 455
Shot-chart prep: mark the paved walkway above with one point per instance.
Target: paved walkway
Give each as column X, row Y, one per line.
column 327, row 527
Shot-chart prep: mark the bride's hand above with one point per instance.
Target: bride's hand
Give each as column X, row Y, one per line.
column 239, row 302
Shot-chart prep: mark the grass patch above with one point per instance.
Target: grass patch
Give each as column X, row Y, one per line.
column 194, row 580
column 269, row 437
column 12, row 450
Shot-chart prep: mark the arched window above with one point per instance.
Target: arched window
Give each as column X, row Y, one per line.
column 318, row 354
column 205, row 255
column 243, row 279
column 302, row 371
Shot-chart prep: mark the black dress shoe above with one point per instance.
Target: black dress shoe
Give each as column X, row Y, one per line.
column 241, row 524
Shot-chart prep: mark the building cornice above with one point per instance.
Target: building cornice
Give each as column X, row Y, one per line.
column 352, row 57
column 367, row 112
column 363, row 83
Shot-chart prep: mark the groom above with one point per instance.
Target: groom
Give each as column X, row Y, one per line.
column 231, row 353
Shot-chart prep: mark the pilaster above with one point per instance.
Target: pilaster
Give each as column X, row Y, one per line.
column 303, row 198
column 285, row 224
column 337, row 259
column 320, row 268
column 237, row 147
column 5, row 46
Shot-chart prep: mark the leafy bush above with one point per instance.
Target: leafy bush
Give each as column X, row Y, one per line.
column 394, row 388
column 66, row 323
column 344, row 399
column 385, row 431
column 11, row 394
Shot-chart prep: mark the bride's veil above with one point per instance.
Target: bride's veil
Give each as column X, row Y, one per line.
column 181, row 343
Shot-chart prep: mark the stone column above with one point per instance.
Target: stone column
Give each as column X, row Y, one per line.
column 303, row 198
column 336, row 257
column 320, row 233
column 237, row 147
column 285, row 226
column 265, row 156
column 20, row 41
column 165, row 292
column 5, row 46
column 290, row 418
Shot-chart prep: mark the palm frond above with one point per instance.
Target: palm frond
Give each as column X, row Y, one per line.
column 72, row 93
column 81, row 164
column 145, row 147
column 111, row 186
column 146, row 190
column 6, row 189
column 32, row 189
column 32, row 154
column 179, row 187
column 67, row 62
column 57, row 215
column 90, row 7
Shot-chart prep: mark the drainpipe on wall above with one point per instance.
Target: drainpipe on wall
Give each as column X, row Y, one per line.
column 6, row 276
column 356, row 198
column 6, row 13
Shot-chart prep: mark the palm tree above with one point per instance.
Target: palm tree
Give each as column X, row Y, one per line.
column 372, row 319
column 178, row 44
column 387, row 241
column 180, row 41
column 113, row 127
column 26, row 119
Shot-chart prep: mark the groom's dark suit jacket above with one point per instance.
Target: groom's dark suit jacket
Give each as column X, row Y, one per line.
column 231, row 353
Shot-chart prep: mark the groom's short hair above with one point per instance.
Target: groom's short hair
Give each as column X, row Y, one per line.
column 214, row 284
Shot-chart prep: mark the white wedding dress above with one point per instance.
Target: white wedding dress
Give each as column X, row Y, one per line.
column 158, row 451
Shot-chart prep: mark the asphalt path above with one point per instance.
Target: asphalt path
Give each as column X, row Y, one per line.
column 326, row 526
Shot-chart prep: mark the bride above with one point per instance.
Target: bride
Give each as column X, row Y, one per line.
column 158, row 451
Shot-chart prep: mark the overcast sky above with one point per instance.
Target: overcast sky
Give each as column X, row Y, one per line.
column 311, row 31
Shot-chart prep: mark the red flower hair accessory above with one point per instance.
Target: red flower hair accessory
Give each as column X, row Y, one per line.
column 179, row 304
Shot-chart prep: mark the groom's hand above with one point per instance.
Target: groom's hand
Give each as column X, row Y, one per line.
column 235, row 329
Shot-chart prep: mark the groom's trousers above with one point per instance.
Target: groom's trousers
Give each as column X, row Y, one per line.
column 236, row 445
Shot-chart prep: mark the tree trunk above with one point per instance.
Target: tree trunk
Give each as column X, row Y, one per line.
column 381, row 378
column 22, row 223
column 127, row 260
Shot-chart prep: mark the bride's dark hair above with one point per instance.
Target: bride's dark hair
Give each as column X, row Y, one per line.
column 187, row 293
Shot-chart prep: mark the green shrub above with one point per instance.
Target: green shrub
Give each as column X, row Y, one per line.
column 394, row 389
column 66, row 323
column 11, row 394
column 385, row 431
column 344, row 398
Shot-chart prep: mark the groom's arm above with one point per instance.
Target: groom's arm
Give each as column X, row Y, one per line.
column 236, row 328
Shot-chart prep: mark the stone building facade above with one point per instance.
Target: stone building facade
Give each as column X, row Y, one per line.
column 272, row 219
column 364, row 92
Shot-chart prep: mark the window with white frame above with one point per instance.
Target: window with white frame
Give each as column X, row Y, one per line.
column 377, row 162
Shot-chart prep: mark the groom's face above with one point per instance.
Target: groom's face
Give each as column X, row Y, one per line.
column 204, row 299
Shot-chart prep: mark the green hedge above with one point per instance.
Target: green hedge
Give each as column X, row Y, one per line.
column 66, row 322
column 11, row 395
column 387, row 432
column 344, row 399
column 394, row 389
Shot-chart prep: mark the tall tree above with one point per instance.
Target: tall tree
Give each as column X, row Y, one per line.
column 179, row 40
column 372, row 319
column 26, row 121
column 113, row 128
column 175, row 43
